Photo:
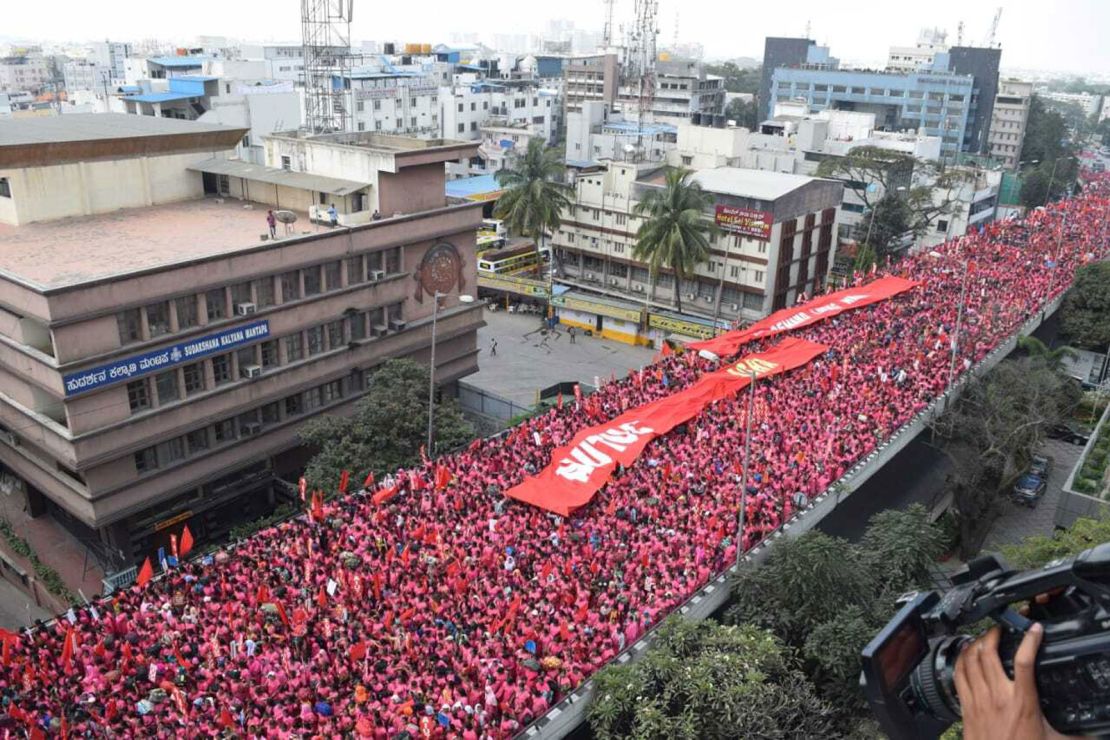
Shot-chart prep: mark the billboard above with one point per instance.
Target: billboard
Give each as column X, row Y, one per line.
column 745, row 221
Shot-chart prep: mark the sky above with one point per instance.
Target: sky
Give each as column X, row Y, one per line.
column 1060, row 35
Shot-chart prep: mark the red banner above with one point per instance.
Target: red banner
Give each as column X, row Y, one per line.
column 579, row 470
column 808, row 313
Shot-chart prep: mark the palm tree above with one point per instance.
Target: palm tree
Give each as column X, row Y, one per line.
column 535, row 194
column 674, row 232
column 1053, row 358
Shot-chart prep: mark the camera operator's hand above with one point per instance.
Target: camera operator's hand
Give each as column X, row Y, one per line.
column 993, row 705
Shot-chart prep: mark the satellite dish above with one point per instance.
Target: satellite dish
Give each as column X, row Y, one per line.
column 285, row 217
column 628, row 148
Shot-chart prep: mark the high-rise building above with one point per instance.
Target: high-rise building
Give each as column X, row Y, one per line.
column 1008, row 121
column 778, row 52
column 113, row 57
column 981, row 64
column 592, row 77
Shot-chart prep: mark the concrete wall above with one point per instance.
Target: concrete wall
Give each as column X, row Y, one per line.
column 412, row 189
column 85, row 188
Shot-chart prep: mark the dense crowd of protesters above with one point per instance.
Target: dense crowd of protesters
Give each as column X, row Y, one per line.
column 449, row 610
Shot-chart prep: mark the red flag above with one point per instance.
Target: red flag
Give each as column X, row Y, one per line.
column 423, row 454
column 180, row 658
column 564, row 632
column 416, row 481
column 262, row 596
column 226, row 720
column 405, row 556
column 302, row 485
column 68, row 647
column 559, row 403
column 173, row 546
column 322, row 598
column 385, row 494
column 443, row 477
column 358, row 651
column 546, row 572
column 344, row 479
column 145, row 573
column 186, row 541
column 127, row 655
column 318, row 506
column 281, row 614
column 369, row 482
column 666, row 350
column 65, row 727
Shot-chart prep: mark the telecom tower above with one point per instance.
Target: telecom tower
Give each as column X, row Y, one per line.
column 640, row 53
column 607, row 32
column 326, row 38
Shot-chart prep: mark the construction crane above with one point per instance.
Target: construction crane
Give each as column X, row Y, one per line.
column 326, row 41
column 993, row 33
column 607, row 32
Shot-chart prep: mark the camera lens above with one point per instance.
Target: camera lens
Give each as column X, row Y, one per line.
column 934, row 680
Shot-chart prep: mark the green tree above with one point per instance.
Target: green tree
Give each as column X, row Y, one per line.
column 703, row 680
column 674, row 232
column 1049, row 180
column 1045, row 133
column 385, row 432
column 897, row 205
column 1039, row 550
column 1053, row 358
column 535, row 195
column 744, row 112
column 737, row 79
column 989, row 434
column 826, row 598
column 1086, row 315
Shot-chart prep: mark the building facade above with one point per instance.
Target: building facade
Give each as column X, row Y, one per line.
column 590, row 78
column 682, row 92
column 157, row 374
column 28, row 72
column 83, row 75
column 1008, row 121
column 111, row 56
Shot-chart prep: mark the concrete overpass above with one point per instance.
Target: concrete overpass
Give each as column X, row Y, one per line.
column 568, row 714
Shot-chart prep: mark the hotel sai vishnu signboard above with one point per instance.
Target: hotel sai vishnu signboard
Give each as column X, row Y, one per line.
column 745, row 221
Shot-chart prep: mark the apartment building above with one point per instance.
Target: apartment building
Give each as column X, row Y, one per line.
column 590, row 78
column 1008, row 121
column 159, row 350
column 395, row 102
column 776, row 241
column 683, row 92
column 23, row 72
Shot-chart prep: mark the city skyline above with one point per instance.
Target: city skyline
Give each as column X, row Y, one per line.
column 1072, row 28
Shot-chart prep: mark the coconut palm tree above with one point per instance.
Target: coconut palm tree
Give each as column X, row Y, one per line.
column 674, row 232
column 1053, row 358
column 535, row 194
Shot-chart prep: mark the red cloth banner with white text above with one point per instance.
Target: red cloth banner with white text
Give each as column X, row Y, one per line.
column 579, row 470
column 808, row 313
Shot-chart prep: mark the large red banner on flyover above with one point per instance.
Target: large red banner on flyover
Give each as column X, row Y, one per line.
column 579, row 470
column 811, row 312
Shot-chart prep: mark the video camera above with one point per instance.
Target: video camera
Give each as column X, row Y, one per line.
column 909, row 667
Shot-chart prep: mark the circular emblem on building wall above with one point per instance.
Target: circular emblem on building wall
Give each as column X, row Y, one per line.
column 441, row 270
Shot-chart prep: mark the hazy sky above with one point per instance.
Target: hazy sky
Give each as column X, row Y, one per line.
column 1067, row 35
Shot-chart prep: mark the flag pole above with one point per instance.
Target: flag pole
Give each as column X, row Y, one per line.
column 744, row 474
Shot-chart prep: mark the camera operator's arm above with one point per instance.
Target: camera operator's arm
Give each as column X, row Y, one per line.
column 993, row 705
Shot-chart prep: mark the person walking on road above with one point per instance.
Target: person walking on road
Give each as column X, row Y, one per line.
column 271, row 221
column 492, row 347
column 570, row 331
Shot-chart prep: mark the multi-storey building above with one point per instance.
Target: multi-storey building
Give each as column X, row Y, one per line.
column 159, row 350
column 777, row 239
column 597, row 133
column 81, row 74
column 682, row 92
column 930, row 42
column 283, row 61
column 24, row 72
column 112, row 56
column 395, row 102
column 470, row 105
column 590, row 78
column 1011, row 114
column 952, row 99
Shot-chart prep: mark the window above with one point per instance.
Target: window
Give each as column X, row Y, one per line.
column 221, row 368
column 942, row 226
column 358, row 327
column 333, row 391
column 412, row 121
column 130, row 326
column 224, row 431
column 473, row 125
column 271, row 413
column 734, row 271
column 313, row 398
column 355, row 273
column 294, row 347
column 146, row 460
column 194, row 378
column 377, row 105
column 197, row 440
column 315, row 340
column 138, row 396
column 473, row 106
column 166, row 383
column 269, row 351
column 248, row 423
column 290, row 286
column 758, row 275
column 377, row 125
column 311, row 280
column 286, row 162
column 216, row 301
column 294, row 406
column 460, row 107
column 264, row 292
column 245, row 358
column 335, row 334
column 186, row 307
column 462, row 128
column 5, row 188
column 240, row 293
column 331, row 275
column 392, row 257
column 158, row 318
column 171, row 451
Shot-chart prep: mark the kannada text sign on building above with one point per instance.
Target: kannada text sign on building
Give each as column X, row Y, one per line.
column 745, row 221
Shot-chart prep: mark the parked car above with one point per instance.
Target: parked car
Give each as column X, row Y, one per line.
column 1028, row 490
column 1040, row 466
column 1068, row 434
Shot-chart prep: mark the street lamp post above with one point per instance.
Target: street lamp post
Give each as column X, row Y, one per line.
column 874, row 215
column 744, row 474
column 432, row 369
column 721, row 285
column 959, row 325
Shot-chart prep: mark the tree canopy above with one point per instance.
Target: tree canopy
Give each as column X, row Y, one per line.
column 703, row 680
column 1085, row 318
column 386, row 430
column 535, row 195
column 737, row 79
column 674, row 232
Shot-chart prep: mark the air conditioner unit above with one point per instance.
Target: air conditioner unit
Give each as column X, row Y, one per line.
column 690, row 296
column 245, row 309
column 589, row 276
column 249, row 429
column 397, row 324
column 614, row 281
column 379, row 330
column 250, row 371
column 707, row 298
column 376, row 275
column 735, row 306
column 638, row 288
